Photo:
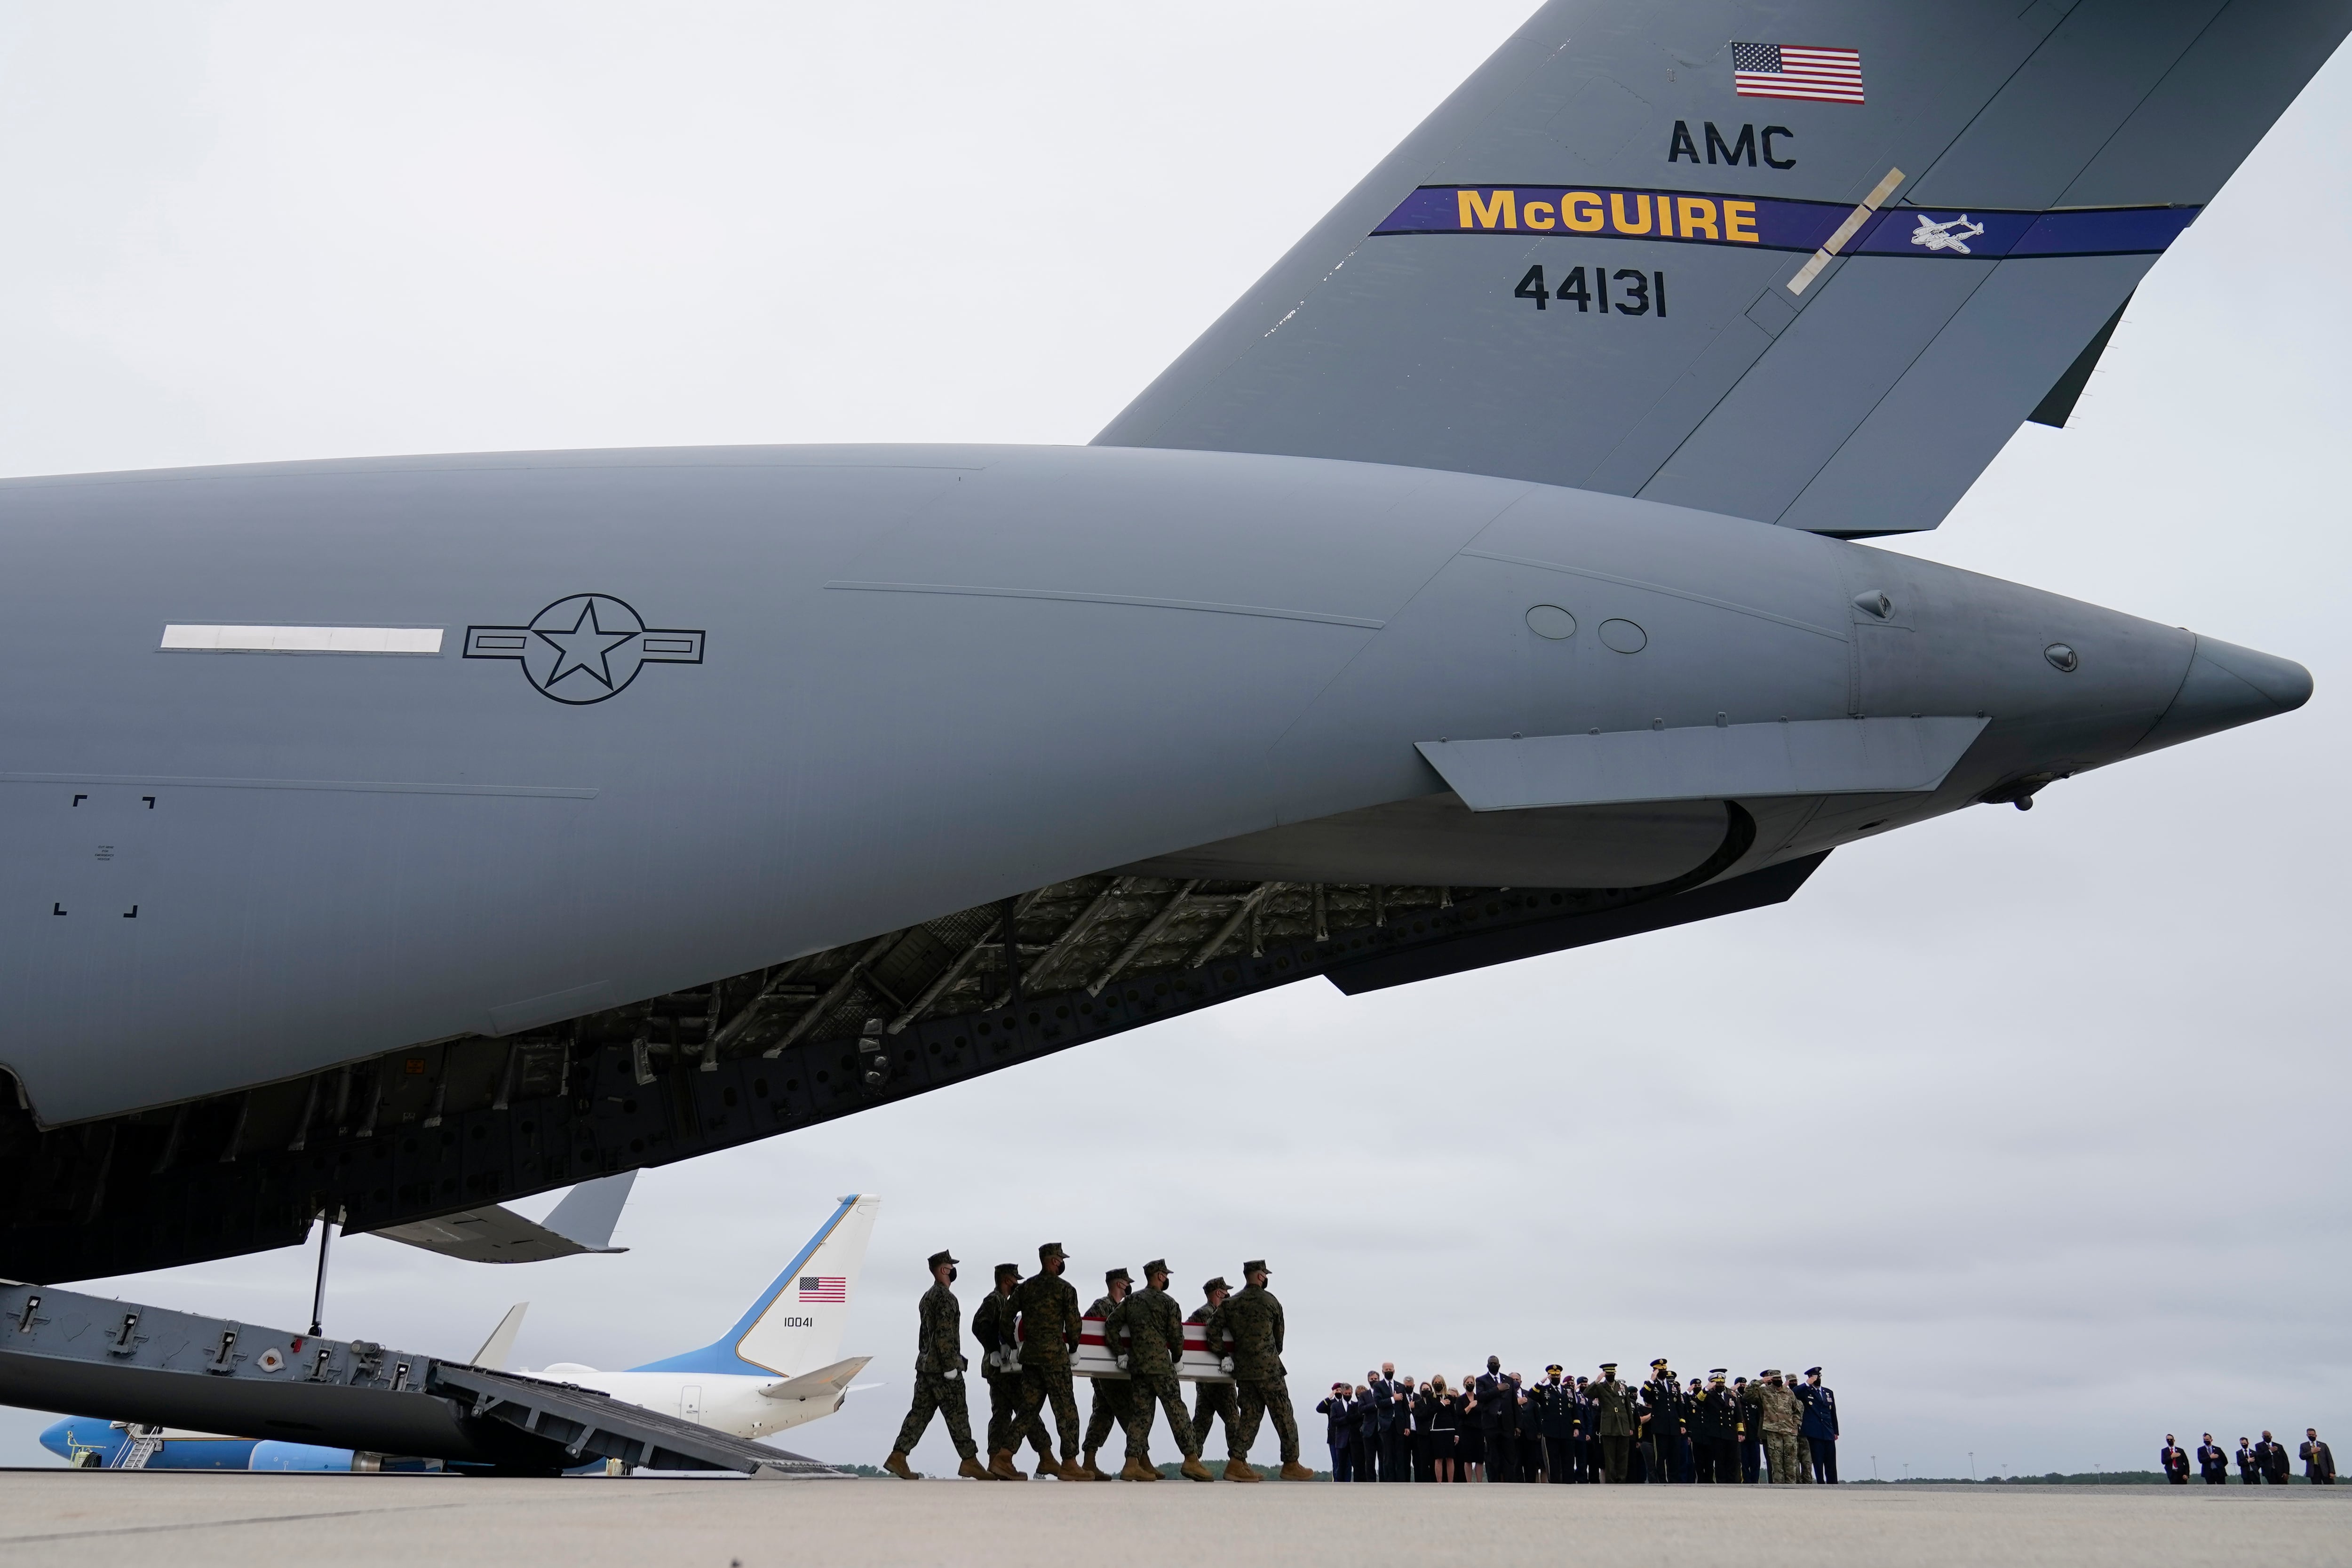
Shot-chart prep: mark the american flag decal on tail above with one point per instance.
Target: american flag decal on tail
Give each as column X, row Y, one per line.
column 823, row 1290
column 1796, row 70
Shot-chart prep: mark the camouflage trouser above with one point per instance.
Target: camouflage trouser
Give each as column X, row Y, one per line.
column 1160, row 1388
column 1261, row 1397
column 1113, row 1404
column 1004, row 1426
column 1780, row 1453
column 1217, row 1399
column 945, row 1395
column 1039, row 1383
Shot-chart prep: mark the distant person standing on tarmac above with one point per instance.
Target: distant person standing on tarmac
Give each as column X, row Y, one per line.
column 2318, row 1462
column 1819, row 1426
column 1619, row 1420
column 2213, row 1462
column 939, row 1378
column 2173, row 1460
column 1779, row 1409
column 1254, row 1319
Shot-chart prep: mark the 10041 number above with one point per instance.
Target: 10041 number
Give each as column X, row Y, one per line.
column 1638, row 293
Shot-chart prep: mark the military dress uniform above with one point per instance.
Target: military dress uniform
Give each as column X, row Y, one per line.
column 1046, row 1309
column 1113, row 1401
column 938, row 1379
column 1616, row 1420
column 1819, row 1427
column 991, row 1326
column 1715, row 1433
column 1153, row 1327
column 1553, row 1403
column 1216, row 1399
column 1751, row 1430
column 1254, row 1318
column 1662, row 1404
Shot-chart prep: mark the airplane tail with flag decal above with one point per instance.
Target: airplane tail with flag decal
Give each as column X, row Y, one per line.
column 1812, row 264
column 795, row 1325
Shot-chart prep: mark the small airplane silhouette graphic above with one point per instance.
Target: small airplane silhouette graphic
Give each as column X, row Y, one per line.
column 1952, row 234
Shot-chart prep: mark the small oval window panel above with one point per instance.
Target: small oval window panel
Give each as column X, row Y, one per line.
column 1551, row 621
column 1624, row 636
column 2061, row 658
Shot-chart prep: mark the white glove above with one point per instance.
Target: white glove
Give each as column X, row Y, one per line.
column 1122, row 1364
column 951, row 1374
column 1225, row 1364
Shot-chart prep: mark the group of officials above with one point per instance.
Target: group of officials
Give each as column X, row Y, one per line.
column 1028, row 1334
column 1496, row 1427
column 2259, row 1464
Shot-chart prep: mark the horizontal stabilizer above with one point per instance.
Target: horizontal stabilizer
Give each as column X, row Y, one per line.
column 581, row 1223
column 1714, row 762
column 1811, row 263
column 818, row 1385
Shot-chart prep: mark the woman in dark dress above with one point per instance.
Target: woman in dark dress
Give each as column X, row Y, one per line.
column 1469, row 1442
column 1434, row 1413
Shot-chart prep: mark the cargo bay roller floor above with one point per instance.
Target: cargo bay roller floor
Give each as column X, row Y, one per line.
column 194, row 1520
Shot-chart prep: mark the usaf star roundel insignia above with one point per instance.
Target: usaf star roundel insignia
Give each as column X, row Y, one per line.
column 583, row 649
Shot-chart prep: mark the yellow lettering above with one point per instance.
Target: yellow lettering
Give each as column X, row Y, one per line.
column 1740, row 222
column 1699, row 216
column 1538, row 214
column 1501, row 209
column 1581, row 210
column 1665, row 217
column 1620, row 223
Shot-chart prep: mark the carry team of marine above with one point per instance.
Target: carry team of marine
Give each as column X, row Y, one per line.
column 1029, row 1330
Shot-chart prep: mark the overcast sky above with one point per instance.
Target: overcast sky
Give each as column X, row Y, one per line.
column 2030, row 1127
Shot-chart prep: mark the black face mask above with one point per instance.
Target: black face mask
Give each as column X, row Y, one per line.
column 952, row 1276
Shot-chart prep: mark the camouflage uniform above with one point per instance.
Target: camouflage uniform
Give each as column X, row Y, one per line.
column 992, row 1325
column 1216, row 1399
column 1254, row 1319
column 1777, row 1409
column 1613, row 1403
column 1114, row 1397
column 1154, row 1328
column 1047, row 1306
column 939, row 1373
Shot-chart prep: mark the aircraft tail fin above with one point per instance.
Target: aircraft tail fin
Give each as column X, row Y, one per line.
column 795, row 1325
column 590, row 1211
column 498, row 1348
column 1813, row 270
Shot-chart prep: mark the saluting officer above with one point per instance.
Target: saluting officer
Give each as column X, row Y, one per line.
column 939, row 1378
column 1662, row 1420
column 1554, row 1402
column 1617, row 1418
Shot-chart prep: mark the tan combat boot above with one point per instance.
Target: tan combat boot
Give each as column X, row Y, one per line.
column 1242, row 1470
column 1193, row 1470
column 1292, row 1471
column 1090, row 1472
column 1001, row 1465
column 972, row 1469
column 897, row 1465
column 1136, row 1470
column 1047, row 1467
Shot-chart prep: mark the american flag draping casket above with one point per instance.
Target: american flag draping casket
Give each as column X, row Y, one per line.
column 1095, row 1358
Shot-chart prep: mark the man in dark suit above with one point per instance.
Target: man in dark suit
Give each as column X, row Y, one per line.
column 2249, row 1465
column 2213, row 1462
column 2271, row 1459
column 2173, row 1460
column 2318, row 1462
column 1497, row 1421
column 1367, row 1439
column 1339, row 1413
column 1392, row 1421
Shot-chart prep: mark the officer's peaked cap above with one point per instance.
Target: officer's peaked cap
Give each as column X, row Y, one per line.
column 1051, row 1249
column 1553, row 1368
column 1111, row 1273
column 1812, row 1372
column 1256, row 1266
column 1157, row 1266
column 1718, row 1373
column 1609, row 1367
column 1659, row 1363
column 1216, row 1284
column 939, row 1257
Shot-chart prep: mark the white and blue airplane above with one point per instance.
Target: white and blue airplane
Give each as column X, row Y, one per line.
column 775, row 1369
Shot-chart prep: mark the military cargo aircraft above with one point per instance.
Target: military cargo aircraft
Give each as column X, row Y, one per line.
column 386, row 839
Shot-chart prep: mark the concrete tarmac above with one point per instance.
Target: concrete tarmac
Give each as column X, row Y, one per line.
column 194, row 1520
